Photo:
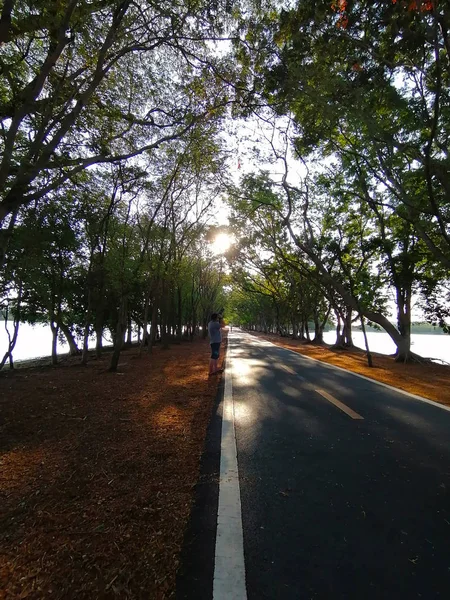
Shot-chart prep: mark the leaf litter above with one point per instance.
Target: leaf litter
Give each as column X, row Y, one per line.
column 97, row 473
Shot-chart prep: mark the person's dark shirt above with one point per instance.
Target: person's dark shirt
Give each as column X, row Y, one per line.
column 214, row 331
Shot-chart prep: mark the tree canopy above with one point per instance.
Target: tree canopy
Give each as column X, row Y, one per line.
column 114, row 153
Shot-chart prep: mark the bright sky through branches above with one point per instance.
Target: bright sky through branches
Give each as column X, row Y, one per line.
column 221, row 243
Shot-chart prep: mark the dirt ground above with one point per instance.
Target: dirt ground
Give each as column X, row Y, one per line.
column 97, row 471
column 430, row 381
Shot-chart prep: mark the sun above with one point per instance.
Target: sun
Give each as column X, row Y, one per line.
column 221, row 243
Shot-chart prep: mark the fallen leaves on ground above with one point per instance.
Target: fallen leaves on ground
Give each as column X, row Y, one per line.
column 97, row 472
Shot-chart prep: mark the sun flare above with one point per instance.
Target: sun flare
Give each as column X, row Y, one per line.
column 221, row 243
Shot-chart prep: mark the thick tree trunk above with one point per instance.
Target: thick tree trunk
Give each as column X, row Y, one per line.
column 73, row 348
column 404, row 325
column 145, row 324
column 318, row 329
column 98, row 340
column 120, row 335
column 54, row 327
column 85, row 351
column 339, row 335
column 129, row 341
column 308, row 337
column 348, row 339
column 153, row 326
column 318, row 339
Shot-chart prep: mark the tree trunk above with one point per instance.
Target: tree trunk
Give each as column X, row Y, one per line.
column 99, row 320
column 193, row 324
column 54, row 327
column 179, row 315
column 120, row 335
column 339, row 335
column 73, row 348
column 153, row 326
column 129, row 341
column 318, row 335
column 11, row 344
column 98, row 340
column 318, row 329
column 308, row 337
column 164, row 331
column 348, row 339
column 404, row 324
column 366, row 343
column 278, row 325
column 145, row 324
column 85, row 351
column 12, row 341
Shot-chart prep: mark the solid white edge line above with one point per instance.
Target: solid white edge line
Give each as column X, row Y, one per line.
column 229, row 568
column 386, row 385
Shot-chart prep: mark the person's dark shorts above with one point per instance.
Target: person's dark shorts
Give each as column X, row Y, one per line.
column 215, row 349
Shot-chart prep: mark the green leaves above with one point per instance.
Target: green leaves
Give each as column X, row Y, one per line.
column 87, row 83
column 373, row 93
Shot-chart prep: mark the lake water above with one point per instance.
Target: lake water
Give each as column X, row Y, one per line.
column 426, row 345
column 36, row 341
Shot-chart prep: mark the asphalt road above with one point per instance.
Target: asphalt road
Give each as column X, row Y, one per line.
column 335, row 507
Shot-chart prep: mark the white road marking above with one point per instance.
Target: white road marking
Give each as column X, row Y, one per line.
column 348, row 411
column 229, row 569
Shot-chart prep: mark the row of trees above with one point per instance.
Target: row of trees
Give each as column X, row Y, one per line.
column 358, row 127
column 110, row 162
column 117, row 252
column 111, row 114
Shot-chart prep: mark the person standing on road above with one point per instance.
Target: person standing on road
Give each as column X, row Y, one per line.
column 215, row 339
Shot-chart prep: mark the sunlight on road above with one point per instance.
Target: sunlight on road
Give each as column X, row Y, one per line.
column 244, row 414
column 237, row 351
column 290, row 391
column 247, row 371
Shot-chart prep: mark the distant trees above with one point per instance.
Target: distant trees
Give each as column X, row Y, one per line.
column 340, row 257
